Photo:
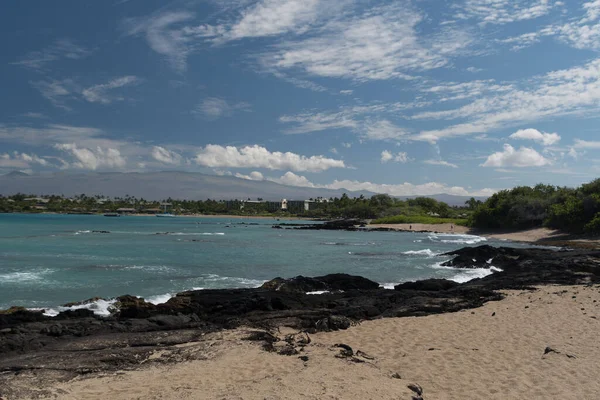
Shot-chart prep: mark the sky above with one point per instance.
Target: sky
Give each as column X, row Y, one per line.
column 414, row 97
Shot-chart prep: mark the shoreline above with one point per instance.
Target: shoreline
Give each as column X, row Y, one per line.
column 536, row 236
column 515, row 333
column 492, row 352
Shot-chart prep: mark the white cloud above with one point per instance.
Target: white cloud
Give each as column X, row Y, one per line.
column 440, row 162
column 346, row 145
column 254, row 176
column 33, row 115
column 510, row 157
column 403, row 189
column 346, row 92
column 570, row 91
column 474, row 70
column 214, row 107
column 57, row 92
column 504, row 11
column 163, row 37
column 21, row 160
column 367, row 120
column 401, row 157
column 386, row 156
column 333, row 150
column 381, row 43
column 586, row 144
column 275, row 17
column 581, row 33
column 60, row 49
column 216, row 156
column 573, row 153
column 314, row 122
column 165, row 156
column 547, row 139
column 93, row 158
column 98, row 93
column 383, row 130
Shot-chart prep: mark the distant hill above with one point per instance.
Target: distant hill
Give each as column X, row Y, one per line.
column 177, row 185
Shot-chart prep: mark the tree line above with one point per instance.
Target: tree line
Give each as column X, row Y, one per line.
column 573, row 210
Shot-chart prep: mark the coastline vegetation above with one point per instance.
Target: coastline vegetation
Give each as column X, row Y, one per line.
column 572, row 210
column 379, row 207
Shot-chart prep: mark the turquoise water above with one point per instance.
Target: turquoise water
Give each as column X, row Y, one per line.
column 48, row 260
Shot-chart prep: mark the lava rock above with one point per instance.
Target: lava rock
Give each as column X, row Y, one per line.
column 428, row 285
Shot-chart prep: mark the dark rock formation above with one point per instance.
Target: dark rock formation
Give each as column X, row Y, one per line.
column 336, row 225
column 331, row 283
column 428, row 285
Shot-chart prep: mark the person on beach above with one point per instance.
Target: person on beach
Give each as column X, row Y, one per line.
column 410, row 228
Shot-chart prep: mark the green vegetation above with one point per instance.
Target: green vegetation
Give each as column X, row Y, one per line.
column 420, row 219
column 570, row 210
column 421, row 209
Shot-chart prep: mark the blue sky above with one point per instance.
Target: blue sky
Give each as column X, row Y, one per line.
column 404, row 97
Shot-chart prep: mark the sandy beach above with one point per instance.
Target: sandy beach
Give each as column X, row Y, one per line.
column 492, row 352
column 536, row 235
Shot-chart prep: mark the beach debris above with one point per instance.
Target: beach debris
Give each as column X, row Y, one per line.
column 549, row 350
column 298, row 339
column 303, row 358
column 396, row 375
column 346, row 351
column 333, row 323
column 493, row 314
column 364, row 355
column 415, row 388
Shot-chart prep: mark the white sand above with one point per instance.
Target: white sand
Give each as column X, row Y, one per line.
column 466, row 355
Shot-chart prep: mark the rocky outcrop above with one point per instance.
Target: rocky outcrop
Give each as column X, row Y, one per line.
column 328, row 283
column 335, row 225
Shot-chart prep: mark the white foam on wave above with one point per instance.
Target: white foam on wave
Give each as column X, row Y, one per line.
column 159, row 299
column 318, row 292
column 196, row 234
column 100, row 307
column 80, row 232
column 467, row 274
column 24, row 277
column 424, row 252
column 452, row 238
column 470, row 274
column 233, row 282
column 388, row 285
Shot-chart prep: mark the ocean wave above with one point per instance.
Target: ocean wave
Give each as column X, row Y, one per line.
column 81, row 232
column 232, row 282
column 388, row 285
column 348, row 244
column 159, row 299
column 424, row 252
column 25, row 277
column 470, row 274
column 456, row 239
column 100, row 307
column 466, row 274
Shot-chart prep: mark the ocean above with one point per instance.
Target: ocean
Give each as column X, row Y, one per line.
column 49, row 260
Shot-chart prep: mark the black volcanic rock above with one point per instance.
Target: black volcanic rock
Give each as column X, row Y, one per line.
column 428, row 285
column 336, row 225
column 330, row 283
